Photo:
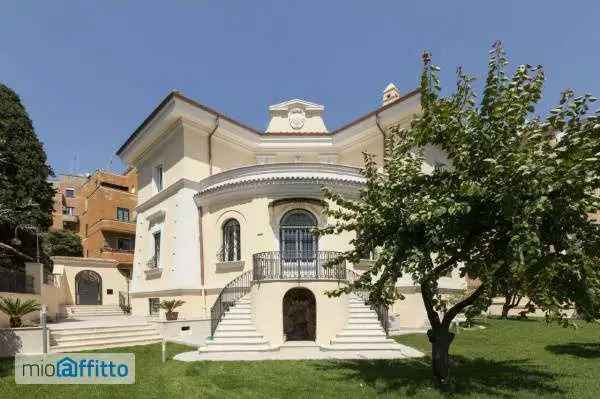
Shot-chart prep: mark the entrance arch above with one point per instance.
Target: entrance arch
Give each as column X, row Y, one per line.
column 88, row 288
column 299, row 315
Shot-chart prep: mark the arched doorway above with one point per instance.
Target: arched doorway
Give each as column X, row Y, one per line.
column 88, row 288
column 299, row 315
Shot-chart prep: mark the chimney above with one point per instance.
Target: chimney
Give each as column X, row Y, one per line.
column 390, row 94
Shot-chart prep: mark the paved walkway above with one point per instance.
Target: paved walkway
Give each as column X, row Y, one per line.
column 405, row 352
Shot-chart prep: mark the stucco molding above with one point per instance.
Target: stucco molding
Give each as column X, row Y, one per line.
column 168, row 192
column 83, row 262
column 280, row 180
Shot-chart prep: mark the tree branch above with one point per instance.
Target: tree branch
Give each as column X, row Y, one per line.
column 456, row 309
column 432, row 315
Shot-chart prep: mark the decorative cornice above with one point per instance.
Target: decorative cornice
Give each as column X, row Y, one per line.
column 284, row 179
column 166, row 193
column 85, row 262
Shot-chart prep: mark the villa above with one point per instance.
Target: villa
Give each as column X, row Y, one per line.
column 225, row 215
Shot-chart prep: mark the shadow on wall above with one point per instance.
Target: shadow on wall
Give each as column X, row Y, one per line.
column 588, row 350
column 413, row 377
column 10, row 343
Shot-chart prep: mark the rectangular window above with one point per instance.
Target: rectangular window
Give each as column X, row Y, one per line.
column 158, row 177
column 68, row 210
column 124, row 244
column 153, row 306
column 156, row 257
column 123, row 214
column 70, row 193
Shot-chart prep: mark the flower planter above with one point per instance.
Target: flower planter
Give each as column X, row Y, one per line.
column 171, row 315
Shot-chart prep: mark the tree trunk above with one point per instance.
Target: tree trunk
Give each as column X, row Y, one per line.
column 440, row 339
column 505, row 308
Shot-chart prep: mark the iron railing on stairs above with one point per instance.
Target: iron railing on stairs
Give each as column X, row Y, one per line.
column 380, row 308
column 234, row 290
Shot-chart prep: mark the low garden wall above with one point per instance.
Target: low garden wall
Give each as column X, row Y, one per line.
column 193, row 331
column 27, row 340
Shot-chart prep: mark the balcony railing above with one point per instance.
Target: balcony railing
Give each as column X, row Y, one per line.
column 111, row 249
column 277, row 265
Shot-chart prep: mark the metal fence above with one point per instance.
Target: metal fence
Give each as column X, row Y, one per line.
column 12, row 280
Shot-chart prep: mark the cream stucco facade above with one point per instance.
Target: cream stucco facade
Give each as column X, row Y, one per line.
column 217, row 199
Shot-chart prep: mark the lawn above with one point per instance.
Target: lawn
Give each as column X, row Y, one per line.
column 520, row 359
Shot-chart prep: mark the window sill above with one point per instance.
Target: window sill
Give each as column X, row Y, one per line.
column 231, row 266
column 364, row 264
column 154, row 272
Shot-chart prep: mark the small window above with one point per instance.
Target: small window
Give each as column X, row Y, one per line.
column 155, row 261
column 109, row 291
column 68, row 210
column 153, row 306
column 124, row 244
column 123, row 214
column 158, row 177
column 231, row 241
column 70, row 193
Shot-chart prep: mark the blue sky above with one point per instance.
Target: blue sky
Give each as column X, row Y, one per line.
column 89, row 73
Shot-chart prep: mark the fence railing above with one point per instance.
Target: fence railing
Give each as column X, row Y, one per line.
column 234, row 290
column 124, row 301
column 277, row 265
column 380, row 308
column 15, row 281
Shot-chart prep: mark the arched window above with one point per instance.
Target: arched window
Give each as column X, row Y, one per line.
column 297, row 240
column 231, row 250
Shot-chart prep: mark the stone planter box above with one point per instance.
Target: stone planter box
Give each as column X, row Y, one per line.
column 23, row 340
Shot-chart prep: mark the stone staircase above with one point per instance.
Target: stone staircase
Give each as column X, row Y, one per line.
column 92, row 311
column 75, row 339
column 363, row 331
column 237, row 332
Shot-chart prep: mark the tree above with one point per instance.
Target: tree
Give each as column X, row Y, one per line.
column 15, row 309
column 511, row 203
column 26, row 196
column 62, row 243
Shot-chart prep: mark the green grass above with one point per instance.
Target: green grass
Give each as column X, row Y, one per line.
column 509, row 359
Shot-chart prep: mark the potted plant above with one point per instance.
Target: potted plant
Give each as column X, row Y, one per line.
column 15, row 309
column 169, row 306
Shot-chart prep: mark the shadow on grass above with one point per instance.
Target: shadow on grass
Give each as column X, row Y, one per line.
column 586, row 350
column 479, row 376
column 6, row 366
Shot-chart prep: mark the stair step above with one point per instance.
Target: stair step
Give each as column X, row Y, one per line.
column 74, row 330
column 237, row 334
column 235, row 327
column 235, row 348
column 354, row 321
column 362, row 340
column 105, row 343
column 86, row 337
column 237, row 316
column 363, row 326
column 234, row 322
column 237, row 341
column 361, row 333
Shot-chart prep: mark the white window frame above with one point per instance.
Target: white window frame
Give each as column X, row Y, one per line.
column 158, row 177
column 71, row 189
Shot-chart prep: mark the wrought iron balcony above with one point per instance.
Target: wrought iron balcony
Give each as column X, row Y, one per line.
column 276, row 265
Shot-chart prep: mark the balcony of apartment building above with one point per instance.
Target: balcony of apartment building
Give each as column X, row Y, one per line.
column 119, row 248
column 123, row 223
column 70, row 219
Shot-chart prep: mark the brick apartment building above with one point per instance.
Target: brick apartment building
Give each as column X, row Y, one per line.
column 101, row 210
